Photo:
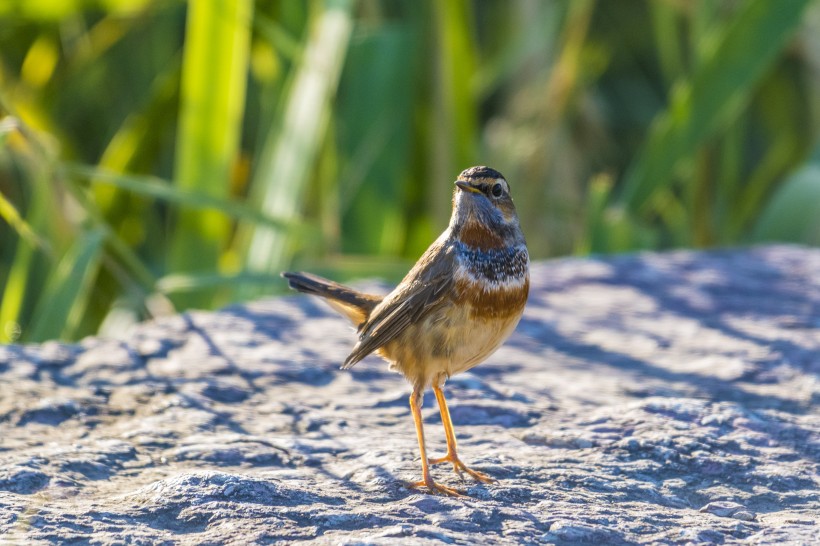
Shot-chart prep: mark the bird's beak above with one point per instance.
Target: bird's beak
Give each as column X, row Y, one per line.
column 467, row 187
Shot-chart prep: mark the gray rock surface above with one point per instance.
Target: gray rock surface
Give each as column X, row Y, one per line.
column 655, row 398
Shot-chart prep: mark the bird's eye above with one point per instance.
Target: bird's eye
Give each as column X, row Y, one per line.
column 497, row 190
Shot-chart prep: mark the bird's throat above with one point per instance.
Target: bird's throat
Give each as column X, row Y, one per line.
column 475, row 235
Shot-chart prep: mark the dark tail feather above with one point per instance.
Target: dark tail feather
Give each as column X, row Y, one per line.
column 319, row 286
column 355, row 305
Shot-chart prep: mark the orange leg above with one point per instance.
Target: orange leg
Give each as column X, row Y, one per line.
column 450, row 434
column 427, row 480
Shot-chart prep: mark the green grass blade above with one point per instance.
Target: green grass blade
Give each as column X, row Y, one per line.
column 177, row 283
column 14, row 293
column 214, row 74
column 375, row 104
column 20, row 281
column 291, row 149
column 454, row 127
column 9, row 213
column 595, row 228
column 138, row 270
column 341, row 268
column 61, row 305
column 133, row 135
column 157, row 188
column 666, row 31
column 714, row 96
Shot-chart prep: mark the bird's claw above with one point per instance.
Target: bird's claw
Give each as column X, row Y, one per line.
column 459, row 467
column 436, row 488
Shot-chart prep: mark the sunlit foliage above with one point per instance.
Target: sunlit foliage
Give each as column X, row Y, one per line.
column 158, row 155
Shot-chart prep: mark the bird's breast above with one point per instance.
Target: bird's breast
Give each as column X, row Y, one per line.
column 494, row 282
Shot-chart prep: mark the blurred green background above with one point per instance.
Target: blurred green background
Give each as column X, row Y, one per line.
column 158, row 155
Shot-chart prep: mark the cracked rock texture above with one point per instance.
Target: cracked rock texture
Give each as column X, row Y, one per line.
column 655, row 398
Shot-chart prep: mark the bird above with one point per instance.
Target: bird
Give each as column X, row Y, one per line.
column 453, row 309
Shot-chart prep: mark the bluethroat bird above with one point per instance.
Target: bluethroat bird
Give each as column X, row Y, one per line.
column 458, row 304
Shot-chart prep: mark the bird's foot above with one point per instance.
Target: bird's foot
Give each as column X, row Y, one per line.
column 460, row 467
column 436, row 488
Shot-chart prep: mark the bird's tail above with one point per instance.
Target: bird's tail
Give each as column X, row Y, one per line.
column 356, row 306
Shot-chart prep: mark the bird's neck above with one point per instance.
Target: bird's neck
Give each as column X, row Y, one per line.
column 486, row 236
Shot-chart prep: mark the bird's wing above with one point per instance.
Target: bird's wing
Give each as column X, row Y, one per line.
column 421, row 291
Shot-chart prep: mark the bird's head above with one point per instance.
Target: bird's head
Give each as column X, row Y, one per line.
column 483, row 211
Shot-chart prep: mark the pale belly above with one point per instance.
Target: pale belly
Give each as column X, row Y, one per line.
column 447, row 342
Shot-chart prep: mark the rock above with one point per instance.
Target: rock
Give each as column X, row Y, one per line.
column 50, row 411
column 22, row 480
column 644, row 399
column 580, row 533
column 723, row 509
column 744, row 515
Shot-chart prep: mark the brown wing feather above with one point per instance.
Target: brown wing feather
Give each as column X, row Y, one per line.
column 423, row 290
